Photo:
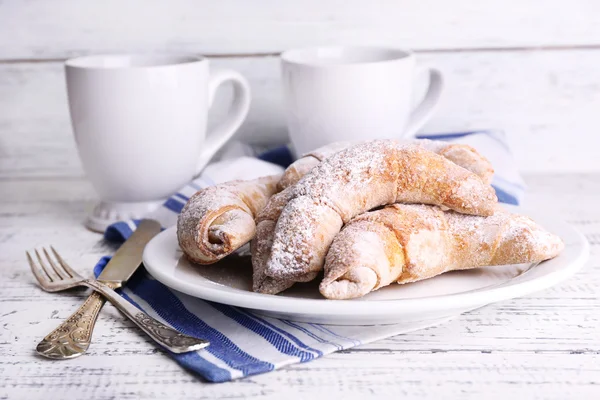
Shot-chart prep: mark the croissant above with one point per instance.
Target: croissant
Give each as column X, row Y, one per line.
column 406, row 243
column 460, row 154
column 260, row 246
column 308, row 161
column 219, row 219
column 349, row 183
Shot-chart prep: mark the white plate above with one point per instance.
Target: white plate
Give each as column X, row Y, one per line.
column 444, row 296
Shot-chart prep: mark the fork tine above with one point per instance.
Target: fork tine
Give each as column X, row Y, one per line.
column 62, row 274
column 41, row 277
column 64, row 264
column 45, row 268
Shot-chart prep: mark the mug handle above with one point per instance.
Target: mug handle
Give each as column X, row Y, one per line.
column 425, row 109
column 240, row 105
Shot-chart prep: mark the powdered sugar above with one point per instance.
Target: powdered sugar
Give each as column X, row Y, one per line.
column 218, row 220
column 418, row 242
column 355, row 180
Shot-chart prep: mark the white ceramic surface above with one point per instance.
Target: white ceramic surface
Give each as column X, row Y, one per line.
column 140, row 126
column 352, row 93
column 444, row 296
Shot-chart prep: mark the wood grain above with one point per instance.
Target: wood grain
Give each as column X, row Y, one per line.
column 539, row 98
column 543, row 346
column 413, row 375
column 64, row 28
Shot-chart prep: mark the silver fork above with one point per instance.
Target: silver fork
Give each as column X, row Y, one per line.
column 60, row 276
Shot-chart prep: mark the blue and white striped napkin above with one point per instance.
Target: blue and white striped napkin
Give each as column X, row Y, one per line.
column 243, row 343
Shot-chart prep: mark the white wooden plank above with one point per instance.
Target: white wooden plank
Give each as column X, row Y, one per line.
column 541, row 99
column 348, row 376
column 64, row 28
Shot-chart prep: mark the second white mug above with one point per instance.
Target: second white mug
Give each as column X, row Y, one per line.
column 140, row 125
column 352, row 93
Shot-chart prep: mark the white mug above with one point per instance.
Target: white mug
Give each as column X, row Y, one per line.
column 140, row 125
column 352, row 93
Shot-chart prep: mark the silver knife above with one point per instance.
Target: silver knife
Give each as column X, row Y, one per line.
column 72, row 338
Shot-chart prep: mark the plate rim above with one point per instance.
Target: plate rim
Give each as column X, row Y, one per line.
column 319, row 307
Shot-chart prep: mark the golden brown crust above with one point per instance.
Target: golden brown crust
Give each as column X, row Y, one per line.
column 261, row 244
column 308, row 161
column 358, row 179
column 463, row 155
column 460, row 154
column 218, row 220
column 417, row 242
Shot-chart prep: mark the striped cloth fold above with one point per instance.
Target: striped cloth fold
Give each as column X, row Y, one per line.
column 244, row 343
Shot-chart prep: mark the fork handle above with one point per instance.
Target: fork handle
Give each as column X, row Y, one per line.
column 166, row 336
column 72, row 338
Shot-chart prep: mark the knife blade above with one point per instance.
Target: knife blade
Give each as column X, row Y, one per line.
column 73, row 337
column 129, row 256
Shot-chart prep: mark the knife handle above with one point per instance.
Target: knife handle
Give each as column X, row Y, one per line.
column 164, row 335
column 72, row 338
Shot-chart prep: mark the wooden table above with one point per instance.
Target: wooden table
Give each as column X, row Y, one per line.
column 542, row 346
